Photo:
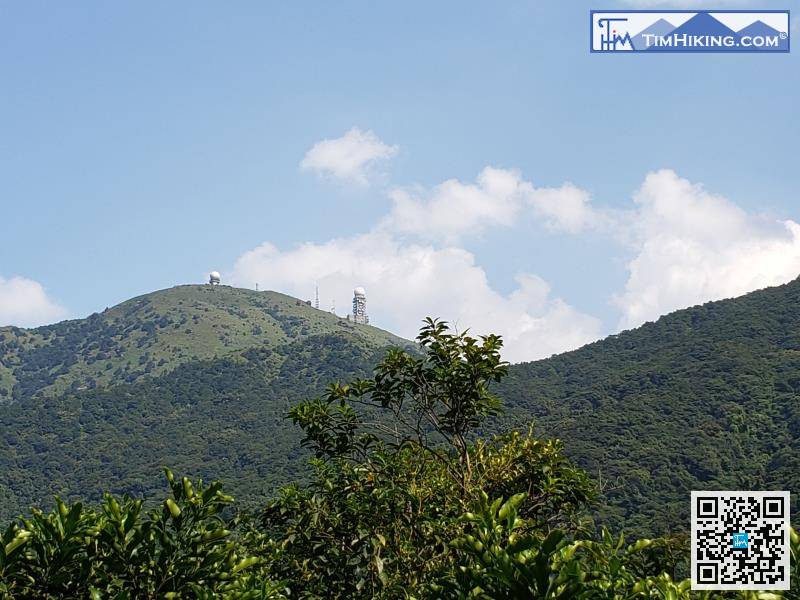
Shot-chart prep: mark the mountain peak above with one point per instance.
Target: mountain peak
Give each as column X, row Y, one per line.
column 153, row 333
column 704, row 24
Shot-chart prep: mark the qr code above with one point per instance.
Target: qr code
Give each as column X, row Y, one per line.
column 740, row 540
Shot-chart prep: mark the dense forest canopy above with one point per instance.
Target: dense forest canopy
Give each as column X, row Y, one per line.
column 411, row 505
column 704, row 398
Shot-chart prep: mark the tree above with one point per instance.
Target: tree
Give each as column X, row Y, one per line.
column 435, row 400
column 397, row 466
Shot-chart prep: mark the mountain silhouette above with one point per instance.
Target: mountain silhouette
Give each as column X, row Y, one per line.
column 701, row 24
column 704, row 24
column 661, row 27
column 759, row 28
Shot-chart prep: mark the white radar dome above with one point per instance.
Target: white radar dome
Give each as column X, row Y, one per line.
column 360, row 291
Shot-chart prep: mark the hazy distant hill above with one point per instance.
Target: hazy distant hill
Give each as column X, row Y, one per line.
column 704, row 398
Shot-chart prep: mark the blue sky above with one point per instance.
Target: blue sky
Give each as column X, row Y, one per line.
column 143, row 144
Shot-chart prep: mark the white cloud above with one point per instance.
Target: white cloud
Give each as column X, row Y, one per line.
column 349, row 158
column 453, row 209
column 692, row 246
column 24, row 303
column 406, row 282
column 686, row 246
column 566, row 208
column 411, row 266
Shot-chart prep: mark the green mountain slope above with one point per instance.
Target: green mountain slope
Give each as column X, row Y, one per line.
column 704, row 398
column 195, row 377
column 223, row 418
column 152, row 334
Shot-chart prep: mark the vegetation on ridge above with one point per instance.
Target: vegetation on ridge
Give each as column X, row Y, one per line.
column 420, row 510
column 221, row 418
column 153, row 334
column 704, row 398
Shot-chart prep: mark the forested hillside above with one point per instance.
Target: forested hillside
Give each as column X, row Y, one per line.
column 403, row 501
column 209, row 397
column 705, row 398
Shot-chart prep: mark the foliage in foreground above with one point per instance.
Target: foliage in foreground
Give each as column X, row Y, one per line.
column 181, row 549
column 643, row 411
column 409, row 506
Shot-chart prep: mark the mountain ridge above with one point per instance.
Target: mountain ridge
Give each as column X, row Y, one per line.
column 153, row 333
column 706, row 397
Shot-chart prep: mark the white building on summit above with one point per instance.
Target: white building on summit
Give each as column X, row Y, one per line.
column 360, row 306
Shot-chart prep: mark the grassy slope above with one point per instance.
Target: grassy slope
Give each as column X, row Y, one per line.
column 153, row 334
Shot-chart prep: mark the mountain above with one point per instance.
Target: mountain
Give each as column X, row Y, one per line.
column 759, row 28
column 703, row 398
column 706, row 398
column 194, row 377
column 660, row 28
column 152, row 334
